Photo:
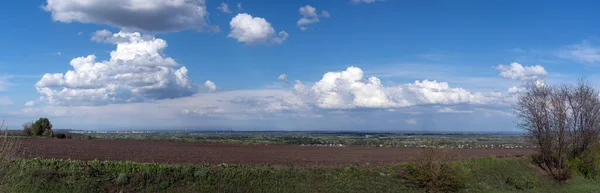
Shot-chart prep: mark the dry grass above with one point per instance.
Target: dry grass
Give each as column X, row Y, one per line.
column 7, row 145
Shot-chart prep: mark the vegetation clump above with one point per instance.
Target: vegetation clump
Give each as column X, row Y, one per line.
column 41, row 127
column 434, row 171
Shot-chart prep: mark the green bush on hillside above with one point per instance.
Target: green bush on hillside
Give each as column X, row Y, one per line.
column 434, row 171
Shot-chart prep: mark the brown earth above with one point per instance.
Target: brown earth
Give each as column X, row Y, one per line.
column 197, row 153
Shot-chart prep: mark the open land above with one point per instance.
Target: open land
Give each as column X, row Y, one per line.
column 201, row 153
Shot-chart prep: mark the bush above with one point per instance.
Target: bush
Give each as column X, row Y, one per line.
column 48, row 133
column 434, row 171
column 587, row 164
column 42, row 127
column 62, row 136
column 558, row 168
column 27, row 129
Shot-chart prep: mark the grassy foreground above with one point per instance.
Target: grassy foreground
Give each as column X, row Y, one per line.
column 485, row 175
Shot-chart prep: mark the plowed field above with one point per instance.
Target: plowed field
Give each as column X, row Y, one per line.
column 197, row 153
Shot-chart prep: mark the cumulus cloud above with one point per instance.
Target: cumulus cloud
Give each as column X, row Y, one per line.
column 254, row 30
column 363, row 1
column 146, row 15
column 344, row 97
column 223, row 7
column 102, row 36
column 136, row 71
column 349, row 89
column 514, row 90
column 283, row 77
column 309, row 16
column 517, row 71
column 30, row 103
column 210, row 85
column 584, row 52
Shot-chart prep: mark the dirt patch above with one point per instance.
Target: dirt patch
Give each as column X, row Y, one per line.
column 197, row 153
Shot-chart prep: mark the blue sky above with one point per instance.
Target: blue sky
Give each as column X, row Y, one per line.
column 297, row 65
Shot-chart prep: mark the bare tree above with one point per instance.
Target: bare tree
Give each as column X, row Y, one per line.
column 563, row 121
column 27, row 129
column 585, row 117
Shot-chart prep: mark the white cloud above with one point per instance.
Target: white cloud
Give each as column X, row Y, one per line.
column 452, row 110
column 254, row 30
column 283, row 77
column 363, row 1
column 308, row 11
column 348, row 89
column 411, row 121
column 239, row 6
column 514, row 90
column 30, row 103
column 210, row 85
column 102, row 35
column 224, row 8
column 309, row 16
column 146, row 15
column 517, row 71
column 136, row 71
column 233, row 105
column 5, row 100
column 584, row 52
column 306, row 106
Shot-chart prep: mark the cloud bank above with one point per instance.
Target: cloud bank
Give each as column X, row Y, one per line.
column 145, row 15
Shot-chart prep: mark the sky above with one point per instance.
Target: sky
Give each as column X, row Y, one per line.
column 372, row 65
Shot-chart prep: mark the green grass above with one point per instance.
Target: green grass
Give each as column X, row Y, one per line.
column 485, row 175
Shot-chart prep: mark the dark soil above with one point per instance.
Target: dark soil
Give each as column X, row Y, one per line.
column 198, row 153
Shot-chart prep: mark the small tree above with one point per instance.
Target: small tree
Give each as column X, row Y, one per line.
column 27, row 129
column 42, row 127
column 563, row 121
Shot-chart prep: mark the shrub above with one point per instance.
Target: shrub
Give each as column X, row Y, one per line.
column 27, row 129
column 48, row 133
column 587, row 164
column 434, row 171
column 62, row 136
column 122, row 179
column 42, row 127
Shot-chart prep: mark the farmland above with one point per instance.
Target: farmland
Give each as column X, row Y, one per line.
column 199, row 153
column 364, row 139
column 267, row 162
